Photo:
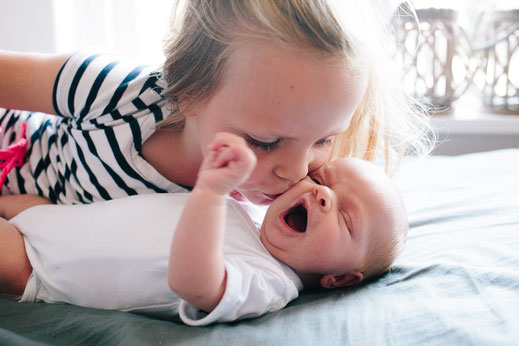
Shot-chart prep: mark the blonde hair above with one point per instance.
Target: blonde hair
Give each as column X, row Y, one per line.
column 383, row 252
column 387, row 123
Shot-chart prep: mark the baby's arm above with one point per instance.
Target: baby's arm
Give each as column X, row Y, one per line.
column 15, row 267
column 196, row 267
column 12, row 205
column 27, row 80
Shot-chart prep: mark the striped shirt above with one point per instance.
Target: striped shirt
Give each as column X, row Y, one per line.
column 91, row 151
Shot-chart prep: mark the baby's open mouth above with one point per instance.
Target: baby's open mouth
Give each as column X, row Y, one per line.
column 296, row 218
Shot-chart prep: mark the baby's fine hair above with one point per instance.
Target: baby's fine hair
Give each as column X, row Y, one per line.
column 383, row 251
column 387, row 124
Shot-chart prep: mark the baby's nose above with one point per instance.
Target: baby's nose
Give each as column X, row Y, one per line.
column 323, row 197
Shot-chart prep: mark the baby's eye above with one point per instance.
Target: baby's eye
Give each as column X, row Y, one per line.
column 324, row 142
column 266, row 146
column 347, row 221
column 315, row 180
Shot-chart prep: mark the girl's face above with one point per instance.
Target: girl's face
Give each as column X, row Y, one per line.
column 288, row 106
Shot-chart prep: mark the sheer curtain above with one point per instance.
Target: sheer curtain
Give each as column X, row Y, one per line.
column 135, row 28
column 131, row 27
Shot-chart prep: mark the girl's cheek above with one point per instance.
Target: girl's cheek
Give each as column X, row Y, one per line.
column 257, row 175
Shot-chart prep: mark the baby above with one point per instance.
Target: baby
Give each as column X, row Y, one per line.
column 201, row 256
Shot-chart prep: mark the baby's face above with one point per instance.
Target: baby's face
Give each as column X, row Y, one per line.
column 325, row 223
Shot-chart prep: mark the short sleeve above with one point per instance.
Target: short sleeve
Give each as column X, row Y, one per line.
column 95, row 87
column 253, row 287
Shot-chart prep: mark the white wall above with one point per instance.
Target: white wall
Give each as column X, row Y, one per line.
column 135, row 28
column 27, row 25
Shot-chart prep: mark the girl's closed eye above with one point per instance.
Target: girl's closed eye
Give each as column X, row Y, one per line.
column 266, row 146
column 324, row 142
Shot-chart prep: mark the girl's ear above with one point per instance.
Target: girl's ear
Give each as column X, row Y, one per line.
column 333, row 281
column 186, row 108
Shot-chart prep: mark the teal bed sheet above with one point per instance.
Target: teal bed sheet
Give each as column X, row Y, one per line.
column 457, row 282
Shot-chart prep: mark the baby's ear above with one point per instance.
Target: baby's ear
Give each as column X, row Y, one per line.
column 333, row 281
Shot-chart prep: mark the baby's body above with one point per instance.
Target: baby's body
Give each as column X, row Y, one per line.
column 337, row 227
column 114, row 255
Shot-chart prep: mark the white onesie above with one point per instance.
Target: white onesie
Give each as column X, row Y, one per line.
column 114, row 255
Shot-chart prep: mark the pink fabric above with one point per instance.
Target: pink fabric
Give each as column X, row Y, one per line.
column 235, row 194
column 13, row 156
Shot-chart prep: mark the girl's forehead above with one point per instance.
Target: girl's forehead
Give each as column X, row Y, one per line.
column 280, row 92
column 266, row 61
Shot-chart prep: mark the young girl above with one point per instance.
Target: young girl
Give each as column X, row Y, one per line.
column 301, row 81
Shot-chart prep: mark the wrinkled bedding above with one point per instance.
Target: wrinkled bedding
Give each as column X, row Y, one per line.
column 457, row 282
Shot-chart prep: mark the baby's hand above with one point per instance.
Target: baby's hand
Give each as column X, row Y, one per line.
column 227, row 165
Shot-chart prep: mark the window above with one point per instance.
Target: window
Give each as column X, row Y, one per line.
column 464, row 47
column 489, row 48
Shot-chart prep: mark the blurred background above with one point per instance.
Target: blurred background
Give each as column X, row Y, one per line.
column 134, row 28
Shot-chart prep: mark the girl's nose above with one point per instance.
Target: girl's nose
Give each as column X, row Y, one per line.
column 293, row 169
column 323, row 197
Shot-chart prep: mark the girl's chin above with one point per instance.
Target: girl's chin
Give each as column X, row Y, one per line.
column 260, row 198
column 260, row 201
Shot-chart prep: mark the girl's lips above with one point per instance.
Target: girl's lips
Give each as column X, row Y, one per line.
column 259, row 197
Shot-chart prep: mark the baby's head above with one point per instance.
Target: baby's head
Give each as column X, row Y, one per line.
column 344, row 224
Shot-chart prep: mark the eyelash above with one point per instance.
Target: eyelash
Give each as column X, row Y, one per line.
column 274, row 145
column 324, row 141
column 262, row 145
column 345, row 218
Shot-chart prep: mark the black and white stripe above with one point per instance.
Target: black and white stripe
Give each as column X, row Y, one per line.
column 106, row 109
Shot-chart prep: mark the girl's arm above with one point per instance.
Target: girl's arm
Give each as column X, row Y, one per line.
column 196, row 270
column 27, row 80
